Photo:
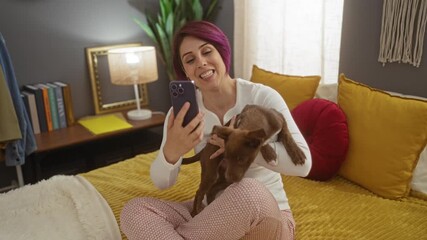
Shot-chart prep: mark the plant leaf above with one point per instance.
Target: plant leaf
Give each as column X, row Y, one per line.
column 197, row 10
column 164, row 44
column 169, row 28
column 168, row 7
column 211, row 11
column 163, row 7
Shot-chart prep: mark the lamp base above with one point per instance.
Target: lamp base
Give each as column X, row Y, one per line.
column 140, row 114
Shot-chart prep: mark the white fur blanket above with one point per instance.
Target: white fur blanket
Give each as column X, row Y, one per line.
column 62, row 207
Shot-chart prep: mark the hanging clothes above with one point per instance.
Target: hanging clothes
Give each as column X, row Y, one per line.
column 9, row 126
column 16, row 150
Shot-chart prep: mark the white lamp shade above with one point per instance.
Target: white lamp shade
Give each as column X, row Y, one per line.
column 133, row 65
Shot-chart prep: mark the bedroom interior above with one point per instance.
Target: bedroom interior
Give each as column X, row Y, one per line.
column 375, row 112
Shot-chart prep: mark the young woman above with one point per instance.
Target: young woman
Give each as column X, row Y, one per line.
column 254, row 208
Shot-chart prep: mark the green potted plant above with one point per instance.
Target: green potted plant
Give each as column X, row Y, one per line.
column 172, row 15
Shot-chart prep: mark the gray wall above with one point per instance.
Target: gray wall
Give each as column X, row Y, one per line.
column 46, row 40
column 360, row 49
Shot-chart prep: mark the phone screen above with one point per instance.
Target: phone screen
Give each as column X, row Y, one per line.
column 182, row 91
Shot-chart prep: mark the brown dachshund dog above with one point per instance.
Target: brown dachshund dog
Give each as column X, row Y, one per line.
column 254, row 126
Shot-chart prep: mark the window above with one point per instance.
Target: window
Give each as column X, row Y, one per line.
column 295, row 37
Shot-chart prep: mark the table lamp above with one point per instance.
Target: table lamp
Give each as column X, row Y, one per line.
column 133, row 66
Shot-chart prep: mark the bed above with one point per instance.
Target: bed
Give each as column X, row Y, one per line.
column 367, row 192
column 336, row 209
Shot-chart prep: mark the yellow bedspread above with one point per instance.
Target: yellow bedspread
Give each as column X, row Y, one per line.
column 336, row 209
column 121, row 182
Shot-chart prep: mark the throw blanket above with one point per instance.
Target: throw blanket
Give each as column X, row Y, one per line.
column 62, row 207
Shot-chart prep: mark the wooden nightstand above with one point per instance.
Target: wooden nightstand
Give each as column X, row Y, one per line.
column 74, row 149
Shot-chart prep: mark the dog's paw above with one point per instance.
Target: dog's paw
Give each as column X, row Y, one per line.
column 196, row 210
column 298, row 157
column 268, row 153
column 193, row 213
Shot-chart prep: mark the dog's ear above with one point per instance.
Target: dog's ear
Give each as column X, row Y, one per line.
column 256, row 137
column 222, row 132
column 259, row 133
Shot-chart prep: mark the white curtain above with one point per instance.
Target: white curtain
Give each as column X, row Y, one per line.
column 295, row 37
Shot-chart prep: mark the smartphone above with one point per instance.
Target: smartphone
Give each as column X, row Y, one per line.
column 182, row 91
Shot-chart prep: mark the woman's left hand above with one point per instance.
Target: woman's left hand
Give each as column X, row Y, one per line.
column 215, row 140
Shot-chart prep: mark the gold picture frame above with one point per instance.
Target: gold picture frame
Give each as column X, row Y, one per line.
column 105, row 97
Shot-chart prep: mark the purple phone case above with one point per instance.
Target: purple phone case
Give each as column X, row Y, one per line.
column 182, row 91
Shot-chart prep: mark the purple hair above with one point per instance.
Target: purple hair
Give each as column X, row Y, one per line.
column 205, row 31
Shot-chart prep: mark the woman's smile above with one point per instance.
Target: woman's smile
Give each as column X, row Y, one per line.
column 207, row 74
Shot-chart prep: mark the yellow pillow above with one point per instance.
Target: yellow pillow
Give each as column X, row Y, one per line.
column 387, row 134
column 294, row 89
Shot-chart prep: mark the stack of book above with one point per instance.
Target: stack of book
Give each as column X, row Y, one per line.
column 49, row 105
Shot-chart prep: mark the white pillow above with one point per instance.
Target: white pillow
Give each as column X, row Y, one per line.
column 419, row 178
column 327, row 91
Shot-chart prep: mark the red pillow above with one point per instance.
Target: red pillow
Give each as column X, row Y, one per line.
column 324, row 126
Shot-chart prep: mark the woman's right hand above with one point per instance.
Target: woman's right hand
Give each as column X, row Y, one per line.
column 181, row 140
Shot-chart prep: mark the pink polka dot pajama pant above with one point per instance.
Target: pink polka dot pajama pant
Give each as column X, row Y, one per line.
column 245, row 210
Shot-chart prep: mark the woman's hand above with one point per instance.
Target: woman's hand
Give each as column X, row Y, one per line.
column 215, row 140
column 181, row 140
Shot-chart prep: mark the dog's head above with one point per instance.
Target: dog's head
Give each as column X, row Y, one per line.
column 241, row 148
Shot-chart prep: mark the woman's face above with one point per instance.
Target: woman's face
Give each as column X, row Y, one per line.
column 202, row 63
